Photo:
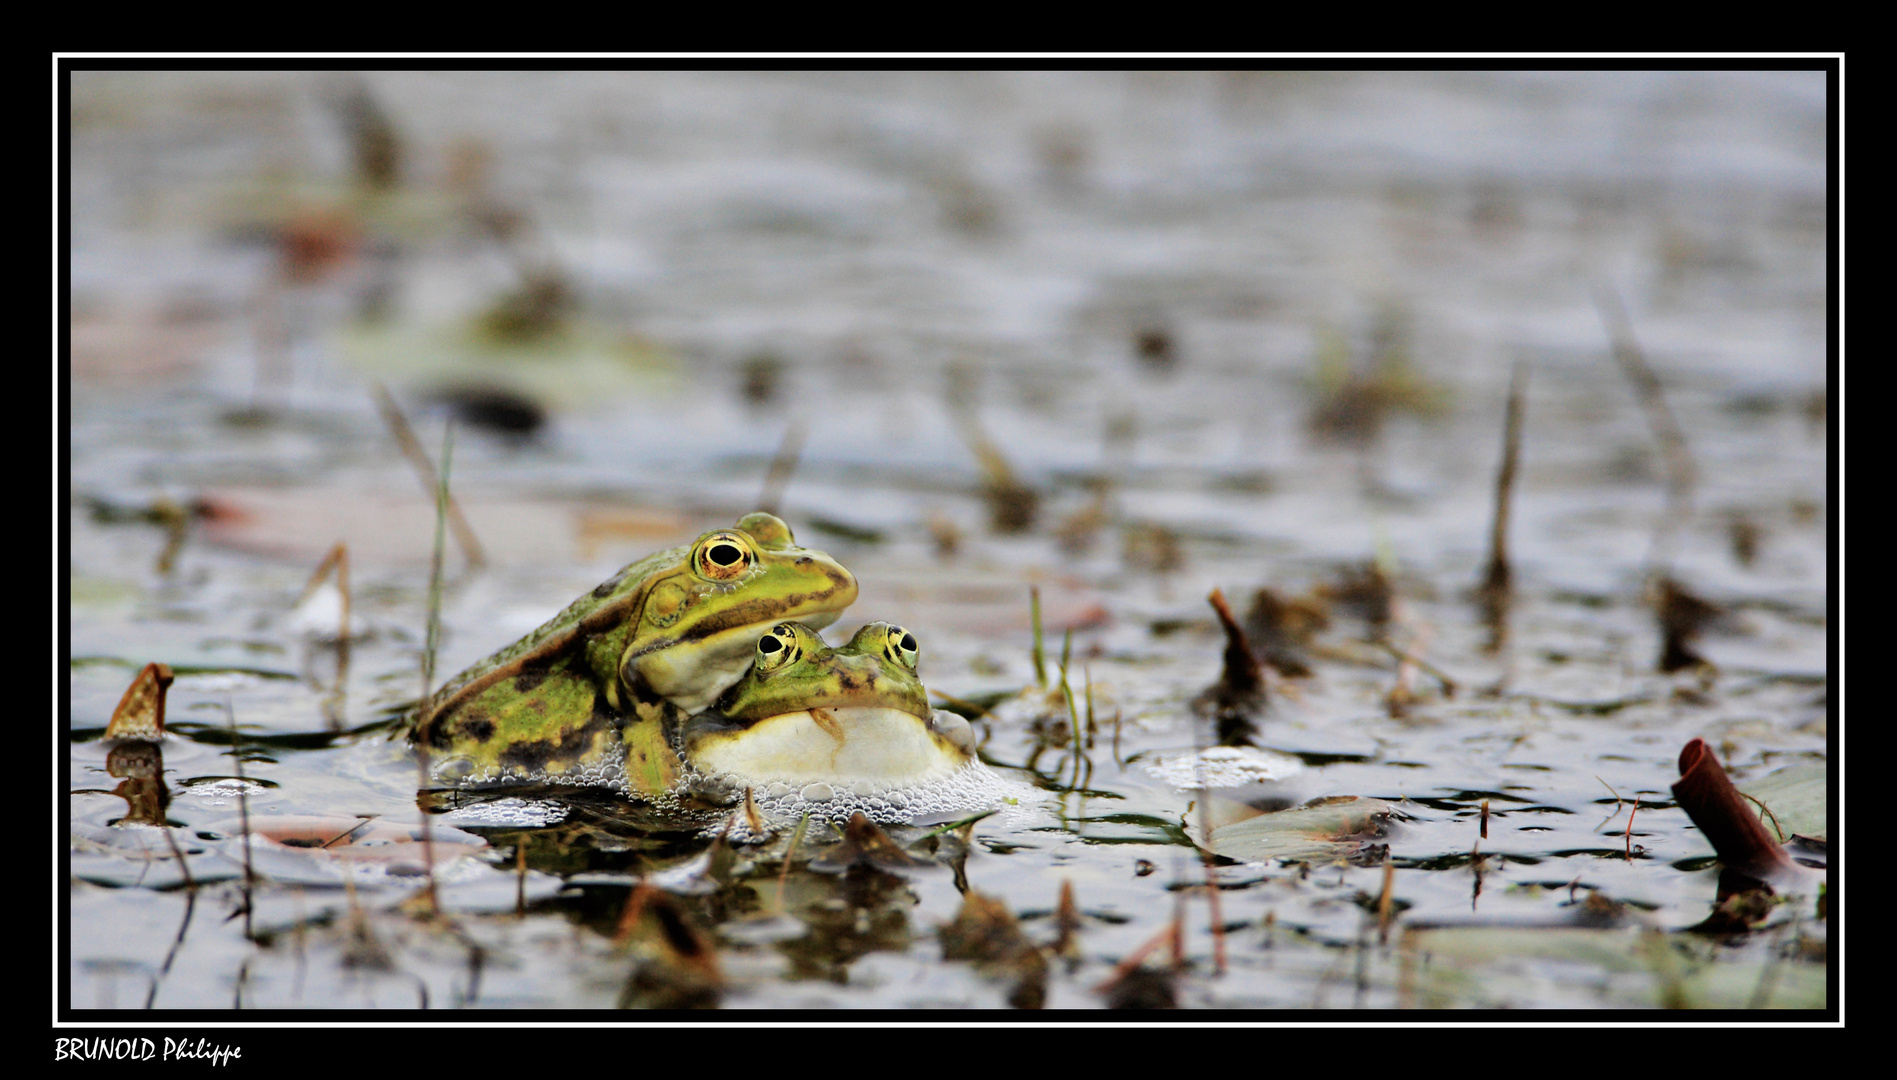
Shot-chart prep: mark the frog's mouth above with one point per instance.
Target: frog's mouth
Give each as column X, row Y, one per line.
column 861, row 749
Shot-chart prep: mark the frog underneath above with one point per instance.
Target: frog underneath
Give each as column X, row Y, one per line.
column 819, row 724
column 582, row 698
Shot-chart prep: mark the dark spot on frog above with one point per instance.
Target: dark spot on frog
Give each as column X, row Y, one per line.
column 529, row 678
column 478, row 728
column 641, row 693
column 440, row 734
column 562, row 747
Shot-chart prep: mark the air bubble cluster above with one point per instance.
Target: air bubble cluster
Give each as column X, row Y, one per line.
column 508, row 813
column 969, row 789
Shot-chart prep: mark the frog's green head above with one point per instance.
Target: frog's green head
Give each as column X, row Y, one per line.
column 704, row 612
column 808, row 717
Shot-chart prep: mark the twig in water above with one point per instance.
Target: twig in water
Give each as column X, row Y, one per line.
column 958, row 824
column 1634, row 809
column 417, row 457
column 1413, row 656
column 1384, row 902
column 346, row 833
column 789, row 852
column 1485, row 819
column 1218, row 918
column 1012, row 505
column 337, row 563
column 782, row 466
column 443, row 504
column 1067, row 922
column 243, row 815
column 1767, row 811
column 1477, row 861
column 1617, row 802
column 1238, row 697
column 183, row 868
column 1496, row 592
column 520, row 877
column 1086, row 671
column 1680, row 472
column 1034, row 612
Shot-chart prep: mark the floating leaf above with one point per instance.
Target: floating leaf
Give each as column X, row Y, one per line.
column 1323, row 831
column 1796, row 798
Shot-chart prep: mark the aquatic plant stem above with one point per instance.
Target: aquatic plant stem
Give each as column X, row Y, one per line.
column 243, row 815
column 1680, row 472
column 790, row 851
column 1034, row 614
column 777, row 478
column 1496, row 592
column 418, row 458
column 1384, row 902
column 433, row 643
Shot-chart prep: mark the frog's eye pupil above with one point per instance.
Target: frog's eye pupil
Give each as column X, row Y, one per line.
column 768, row 645
column 909, row 642
column 725, row 554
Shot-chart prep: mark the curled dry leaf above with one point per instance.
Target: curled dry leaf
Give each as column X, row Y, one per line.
column 141, row 712
column 865, row 843
column 1729, row 822
column 1238, row 698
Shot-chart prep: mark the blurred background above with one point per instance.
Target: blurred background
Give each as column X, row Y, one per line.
column 1244, row 307
column 1124, row 337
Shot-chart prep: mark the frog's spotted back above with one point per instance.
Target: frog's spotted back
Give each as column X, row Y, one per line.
column 569, row 701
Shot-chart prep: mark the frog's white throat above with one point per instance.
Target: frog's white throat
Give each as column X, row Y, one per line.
column 851, row 748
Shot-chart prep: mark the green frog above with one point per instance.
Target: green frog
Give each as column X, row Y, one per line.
column 583, row 698
column 822, row 724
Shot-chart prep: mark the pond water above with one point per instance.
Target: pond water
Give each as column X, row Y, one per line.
column 1120, row 338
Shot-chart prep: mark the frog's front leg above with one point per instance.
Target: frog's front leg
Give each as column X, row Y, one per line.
column 652, row 765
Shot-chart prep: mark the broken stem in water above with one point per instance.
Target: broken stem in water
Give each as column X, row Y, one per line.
column 1680, row 472
column 442, row 504
column 1497, row 588
column 782, row 466
column 243, row 813
column 418, row 457
column 789, row 852
column 1034, row 613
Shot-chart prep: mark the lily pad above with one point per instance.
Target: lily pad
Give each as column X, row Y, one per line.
column 1796, row 798
column 1324, row 831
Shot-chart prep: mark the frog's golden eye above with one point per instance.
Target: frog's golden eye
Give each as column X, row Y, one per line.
column 722, row 557
column 902, row 647
column 777, row 649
